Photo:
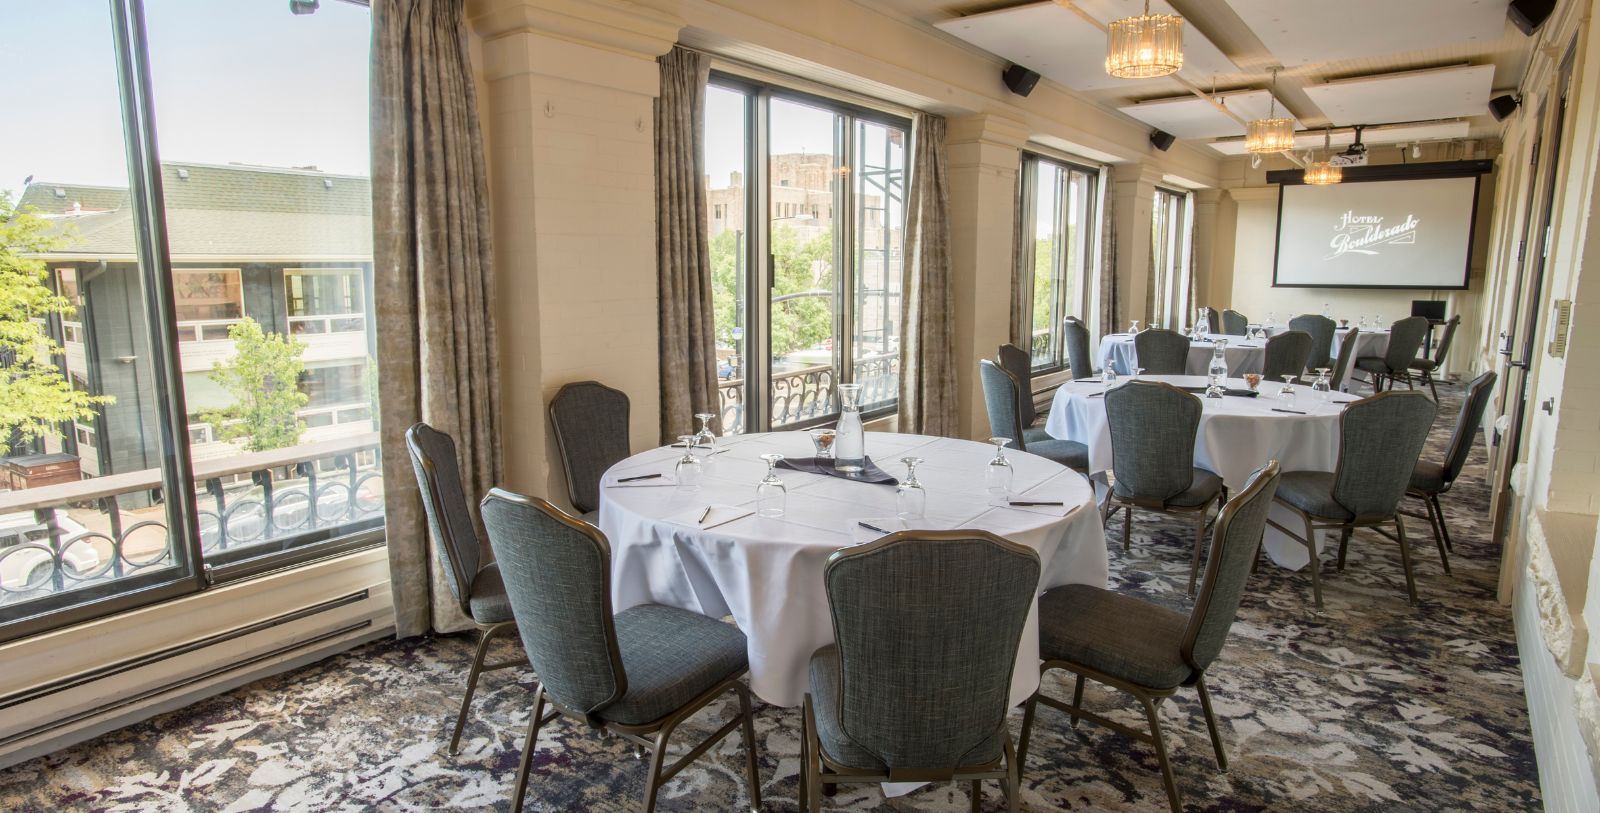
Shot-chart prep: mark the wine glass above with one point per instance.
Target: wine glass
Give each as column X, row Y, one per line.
column 1320, row 386
column 770, row 492
column 1286, row 395
column 910, row 498
column 1363, row 324
column 689, row 470
column 997, row 477
column 1272, row 317
column 1138, row 371
column 1377, row 322
column 1327, row 311
column 705, row 440
column 1133, row 326
column 1108, row 376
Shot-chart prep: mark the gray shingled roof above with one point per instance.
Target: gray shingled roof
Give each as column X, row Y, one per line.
column 222, row 211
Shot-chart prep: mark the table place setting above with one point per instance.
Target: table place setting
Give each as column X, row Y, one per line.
column 652, row 480
column 706, row 517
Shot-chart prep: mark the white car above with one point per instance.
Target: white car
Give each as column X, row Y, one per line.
column 29, row 569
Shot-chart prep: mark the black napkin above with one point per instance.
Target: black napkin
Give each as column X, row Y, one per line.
column 1228, row 391
column 869, row 473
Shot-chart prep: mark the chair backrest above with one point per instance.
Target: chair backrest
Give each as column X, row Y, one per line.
column 1019, row 364
column 1162, row 352
column 1234, row 323
column 557, row 573
column 1000, row 397
column 444, row 501
column 1467, row 423
column 1321, row 329
column 1213, row 321
column 1341, row 365
column 1380, row 439
column 1287, row 354
column 1405, row 341
column 927, row 624
column 1234, row 541
column 1077, row 336
column 1445, row 340
column 1153, row 426
column 590, row 420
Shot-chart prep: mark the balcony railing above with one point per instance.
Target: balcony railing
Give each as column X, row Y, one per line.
column 800, row 396
column 54, row 539
column 205, row 330
column 328, row 323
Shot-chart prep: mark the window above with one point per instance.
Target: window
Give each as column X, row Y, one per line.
column 821, row 305
column 1057, row 204
column 1169, row 259
column 217, row 476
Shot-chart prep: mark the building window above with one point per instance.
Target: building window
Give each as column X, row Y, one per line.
column 821, row 305
column 1169, row 259
column 335, row 384
column 326, row 300
column 1057, row 210
column 207, row 302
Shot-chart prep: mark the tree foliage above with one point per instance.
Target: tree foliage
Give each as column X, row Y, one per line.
column 263, row 379
column 36, row 399
column 800, row 266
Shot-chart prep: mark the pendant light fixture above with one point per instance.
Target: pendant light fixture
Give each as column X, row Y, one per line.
column 1145, row 46
column 1324, row 173
column 1272, row 134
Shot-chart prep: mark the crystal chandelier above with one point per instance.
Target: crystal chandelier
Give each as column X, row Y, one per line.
column 1145, row 46
column 1324, row 173
column 1272, row 134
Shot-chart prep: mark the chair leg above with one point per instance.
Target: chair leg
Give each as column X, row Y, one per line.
column 1211, row 721
column 1434, row 523
column 658, row 754
column 1405, row 558
column 977, row 796
column 528, row 746
column 1344, row 545
column 1027, row 726
column 1443, row 528
column 1150, row 711
column 1077, row 699
column 811, row 764
column 1428, row 377
column 1199, row 542
column 753, row 776
column 1316, row 564
column 485, row 635
column 1013, row 780
column 1127, row 526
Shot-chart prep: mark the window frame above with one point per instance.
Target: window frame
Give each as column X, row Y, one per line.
column 1063, row 289
column 1174, row 267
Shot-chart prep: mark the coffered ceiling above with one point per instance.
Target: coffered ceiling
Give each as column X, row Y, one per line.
column 1409, row 70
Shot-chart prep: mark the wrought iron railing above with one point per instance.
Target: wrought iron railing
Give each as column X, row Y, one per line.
column 799, row 396
column 58, row 538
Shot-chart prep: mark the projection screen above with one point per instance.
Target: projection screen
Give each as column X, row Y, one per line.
column 1376, row 234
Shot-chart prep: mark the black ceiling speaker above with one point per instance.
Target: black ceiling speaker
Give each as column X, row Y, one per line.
column 1528, row 15
column 1502, row 106
column 1161, row 139
column 1020, row 79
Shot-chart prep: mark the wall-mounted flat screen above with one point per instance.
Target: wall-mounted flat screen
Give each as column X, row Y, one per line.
column 1376, row 234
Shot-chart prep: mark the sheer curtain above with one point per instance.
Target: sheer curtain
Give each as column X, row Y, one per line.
column 434, row 285
column 927, row 377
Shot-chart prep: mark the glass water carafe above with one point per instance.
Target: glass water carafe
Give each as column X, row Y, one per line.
column 1217, row 373
column 850, row 441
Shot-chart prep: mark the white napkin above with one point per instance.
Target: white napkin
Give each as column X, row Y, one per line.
column 706, row 517
column 615, row 481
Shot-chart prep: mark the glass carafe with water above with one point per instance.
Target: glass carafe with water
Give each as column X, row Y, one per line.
column 850, row 441
column 1217, row 372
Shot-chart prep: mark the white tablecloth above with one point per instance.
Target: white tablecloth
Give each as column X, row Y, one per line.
column 1235, row 437
column 767, row 573
column 1243, row 355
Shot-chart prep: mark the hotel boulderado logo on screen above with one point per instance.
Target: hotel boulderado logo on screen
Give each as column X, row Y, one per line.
column 1366, row 234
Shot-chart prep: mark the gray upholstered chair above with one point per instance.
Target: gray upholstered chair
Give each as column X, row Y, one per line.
column 1430, row 479
column 1286, row 354
column 590, row 421
column 1213, row 321
column 1423, row 368
column 1019, row 364
column 1405, row 339
column 474, row 583
column 1341, row 365
column 1002, row 397
column 1153, row 427
column 1321, row 330
column 1077, row 340
column 636, row 674
column 917, row 684
column 1150, row 651
column 1380, row 439
column 1162, row 352
column 1234, row 323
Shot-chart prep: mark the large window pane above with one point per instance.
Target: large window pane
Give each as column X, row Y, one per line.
column 1049, row 246
column 879, row 203
column 1057, row 208
column 727, row 140
column 264, row 174
column 81, row 510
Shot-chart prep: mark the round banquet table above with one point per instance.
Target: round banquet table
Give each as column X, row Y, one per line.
column 1243, row 355
column 1369, row 342
column 767, row 573
column 1236, row 435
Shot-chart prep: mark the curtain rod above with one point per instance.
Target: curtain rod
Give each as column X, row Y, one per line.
column 820, row 88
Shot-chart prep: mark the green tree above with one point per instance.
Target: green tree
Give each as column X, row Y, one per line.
column 263, row 378
column 800, row 267
column 35, row 398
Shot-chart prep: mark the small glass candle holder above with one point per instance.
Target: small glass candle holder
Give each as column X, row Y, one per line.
column 1252, row 380
column 822, row 439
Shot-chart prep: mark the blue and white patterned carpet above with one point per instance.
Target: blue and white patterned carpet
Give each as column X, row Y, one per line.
column 1373, row 705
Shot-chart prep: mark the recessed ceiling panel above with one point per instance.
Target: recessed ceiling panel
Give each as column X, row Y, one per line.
column 1193, row 117
column 1412, row 96
column 1303, row 32
column 1372, row 137
column 1069, row 49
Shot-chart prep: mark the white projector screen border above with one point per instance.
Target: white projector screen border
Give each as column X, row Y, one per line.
column 1472, row 225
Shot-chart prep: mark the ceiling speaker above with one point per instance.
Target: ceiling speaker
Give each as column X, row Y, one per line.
column 1161, row 139
column 1502, row 106
column 1528, row 15
column 1019, row 79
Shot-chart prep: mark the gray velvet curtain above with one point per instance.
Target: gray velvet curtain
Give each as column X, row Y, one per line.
column 1022, row 255
column 927, row 377
column 687, row 320
column 433, row 282
column 1108, row 257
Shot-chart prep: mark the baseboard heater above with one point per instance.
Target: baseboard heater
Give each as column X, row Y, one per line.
column 111, row 670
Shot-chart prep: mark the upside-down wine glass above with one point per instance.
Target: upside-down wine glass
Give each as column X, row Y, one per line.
column 1286, row 395
column 705, row 440
column 910, row 498
column 770, row 492
column 997, row 477
column 689, row 470
column 1322, row 385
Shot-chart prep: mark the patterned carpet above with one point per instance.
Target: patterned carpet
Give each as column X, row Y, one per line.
column 1372, row 705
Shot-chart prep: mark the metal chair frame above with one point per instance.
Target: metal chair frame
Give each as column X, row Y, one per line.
column 1345, row 529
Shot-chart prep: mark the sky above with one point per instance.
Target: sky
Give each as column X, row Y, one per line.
column 233, row 81
column 794, row 128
